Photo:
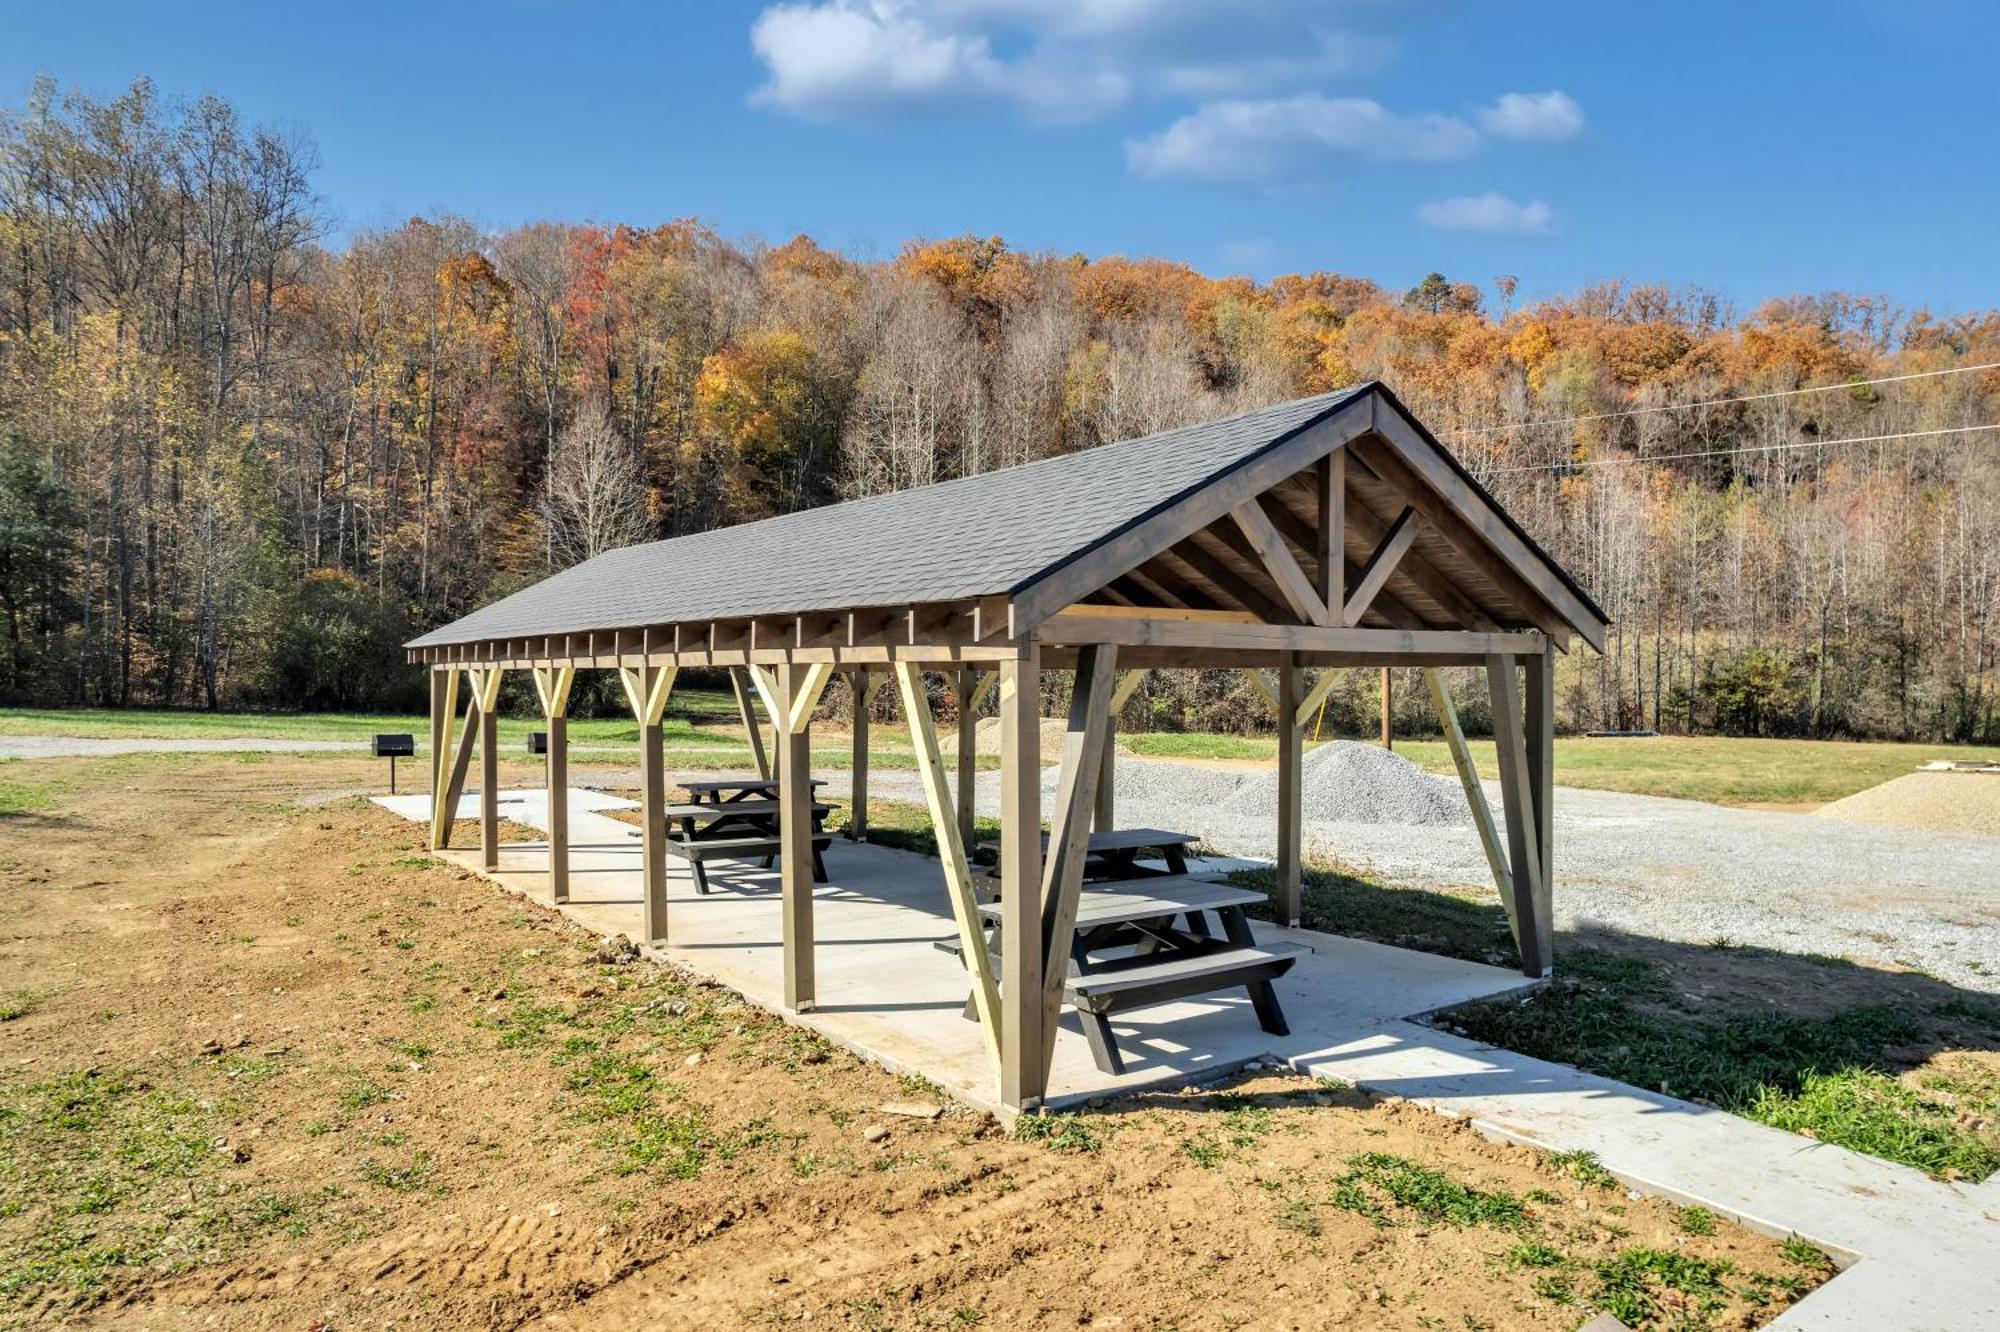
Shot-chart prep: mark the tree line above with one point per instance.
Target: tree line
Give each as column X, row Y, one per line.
column 240, row 462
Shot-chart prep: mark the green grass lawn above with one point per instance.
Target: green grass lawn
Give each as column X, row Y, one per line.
column 695, row 717
column 1725, row 770
column 702, row 728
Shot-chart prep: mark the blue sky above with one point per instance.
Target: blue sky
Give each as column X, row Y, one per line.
column 1751, row 148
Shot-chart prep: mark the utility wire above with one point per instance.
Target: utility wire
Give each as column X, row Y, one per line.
column 1722, row 402
column 1752, row 448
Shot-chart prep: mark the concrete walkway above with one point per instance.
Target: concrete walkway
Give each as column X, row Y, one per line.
column 1919, row 1252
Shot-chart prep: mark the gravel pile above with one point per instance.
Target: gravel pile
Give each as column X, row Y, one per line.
column 1345, row 781
column 1947, row 802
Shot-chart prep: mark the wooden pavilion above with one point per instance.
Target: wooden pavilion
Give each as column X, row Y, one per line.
column 1330, row 532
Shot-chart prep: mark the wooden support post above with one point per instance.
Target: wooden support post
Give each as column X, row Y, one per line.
column 443, row 698
column 793, row 715
column 964, row 694
column 952, row 854
column 857, row 811
column 642, row 686
column 489, row 768
column 1291, row 783
column 1475, row 797
column 1388, row 731
column 446, row 812
column 1517, row 800
column 1023, row 1035
column 1069, row 825
column 740, row 683
column 1541, row 745
column 552, row 686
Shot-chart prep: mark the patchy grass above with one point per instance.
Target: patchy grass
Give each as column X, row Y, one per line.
column 907, row 827
column 1338, row 899
column 1063, row 1132
column 108, row 1174
column 1385, row 1187
column 25, row 795
column 1830, row 1075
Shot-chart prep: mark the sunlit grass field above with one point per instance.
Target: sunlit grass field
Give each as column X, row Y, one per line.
column 702, row 727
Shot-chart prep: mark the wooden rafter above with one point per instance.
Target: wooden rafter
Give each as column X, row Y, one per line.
column 1232, row 584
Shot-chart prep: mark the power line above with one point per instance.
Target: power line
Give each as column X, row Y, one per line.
column 1753, row 448
column 1723, row 402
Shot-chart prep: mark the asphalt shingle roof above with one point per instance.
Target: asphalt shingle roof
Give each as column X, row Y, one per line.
column 977, row 536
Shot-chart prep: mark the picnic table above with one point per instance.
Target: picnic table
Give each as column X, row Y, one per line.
column 1115, row 852
column 724, row 790
column 1146, row 937
column 737, row 818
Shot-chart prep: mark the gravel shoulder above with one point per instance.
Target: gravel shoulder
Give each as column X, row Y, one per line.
column 1673, row 869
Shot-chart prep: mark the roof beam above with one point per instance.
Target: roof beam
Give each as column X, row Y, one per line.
column 1201, row 505
column 1277, row 560
column 1330, row 540
column 1375, row 574
column 1421, row 458
column 1078, row 625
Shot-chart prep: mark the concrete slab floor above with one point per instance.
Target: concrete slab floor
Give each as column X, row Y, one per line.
column 1919, row 1252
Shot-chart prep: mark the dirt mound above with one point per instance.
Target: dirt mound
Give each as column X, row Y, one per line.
column 1951, row 802
column 1348, row 782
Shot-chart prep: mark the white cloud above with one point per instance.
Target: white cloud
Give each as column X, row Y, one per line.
column 1267, row 141
column 1547, row 115
column 1047, row 59
column 1490, row 214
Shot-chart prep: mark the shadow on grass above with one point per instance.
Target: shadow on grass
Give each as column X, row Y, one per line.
column 1898, row 1064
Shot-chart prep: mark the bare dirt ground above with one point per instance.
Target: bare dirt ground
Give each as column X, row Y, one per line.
column 266, row 1065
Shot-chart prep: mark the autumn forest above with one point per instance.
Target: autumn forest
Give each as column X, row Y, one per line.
column 241, row 460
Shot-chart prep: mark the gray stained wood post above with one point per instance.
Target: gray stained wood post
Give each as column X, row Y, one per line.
column 1106, row 817
column 489, row 777
column 439, row 704
column 1541, row 728
column 558, row 797
column 652, row 815
column 857, row 814
column 1069, row 826
column 1531, row 899
column 1023, row 1037
column 461, row 763
column 1291, row 781
column 795, row 831
column 967, row 684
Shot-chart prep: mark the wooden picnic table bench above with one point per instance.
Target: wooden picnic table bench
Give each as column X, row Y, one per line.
column 1129, row 952
column 742, row 827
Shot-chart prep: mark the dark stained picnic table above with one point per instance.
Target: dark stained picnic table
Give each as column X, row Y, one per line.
column 1144, row 936
column 738, row 820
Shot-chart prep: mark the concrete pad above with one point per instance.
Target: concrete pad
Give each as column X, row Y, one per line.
column 529, row 805
column 1918, row 1251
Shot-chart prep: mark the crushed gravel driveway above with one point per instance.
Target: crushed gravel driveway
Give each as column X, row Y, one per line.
column 1673, row 869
